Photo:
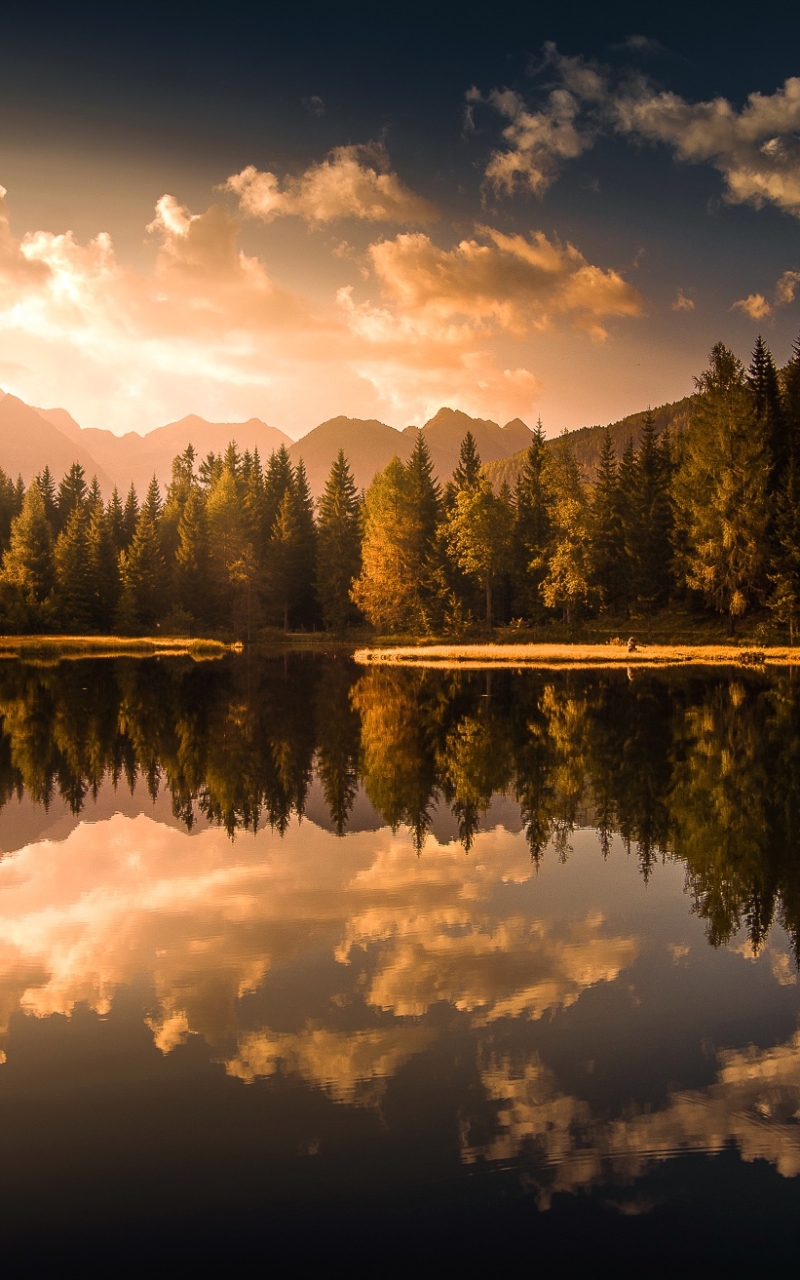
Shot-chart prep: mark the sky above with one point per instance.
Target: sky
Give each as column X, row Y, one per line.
column 243, row 211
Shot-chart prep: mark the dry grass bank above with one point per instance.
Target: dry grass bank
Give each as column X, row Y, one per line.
column 59, row 647
column 577, row 655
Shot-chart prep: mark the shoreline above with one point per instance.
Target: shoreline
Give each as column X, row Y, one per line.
column 544, row 656
column 112, row 647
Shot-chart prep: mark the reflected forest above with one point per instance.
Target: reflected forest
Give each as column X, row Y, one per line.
column 696, row 766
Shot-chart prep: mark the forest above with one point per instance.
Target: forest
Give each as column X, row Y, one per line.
column 705, row 520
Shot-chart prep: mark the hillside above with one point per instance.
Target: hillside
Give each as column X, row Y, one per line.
column 369, row 446
column 588, row 440
column 28, row 442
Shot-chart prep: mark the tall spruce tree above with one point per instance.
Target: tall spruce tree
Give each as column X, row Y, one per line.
column 607, row 545
column 74, row 588
column 467, row 472
column 650, row 552
column 568, row 582
column 338, row 546
column 8, row 508
column 28, row 573
column 762, row 378
column 71, row 494
column 103, row 564
column 191, row 570
column 533, row 529
column 722, row 490
column 143, row 569
column 478, row 534
column 47, row 485
column 387, row 591
column 130, row 518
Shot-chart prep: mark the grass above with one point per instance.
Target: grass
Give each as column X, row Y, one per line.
column 577, row 655
column 111, row 647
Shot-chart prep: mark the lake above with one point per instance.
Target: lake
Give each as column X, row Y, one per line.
column 397, row 965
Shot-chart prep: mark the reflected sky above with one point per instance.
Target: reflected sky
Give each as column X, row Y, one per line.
column 560, row 1020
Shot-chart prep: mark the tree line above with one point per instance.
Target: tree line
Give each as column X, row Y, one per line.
column 699, row 769
column 709, row 519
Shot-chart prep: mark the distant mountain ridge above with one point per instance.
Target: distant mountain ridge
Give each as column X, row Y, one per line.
column 587, row 441
column 31, row 439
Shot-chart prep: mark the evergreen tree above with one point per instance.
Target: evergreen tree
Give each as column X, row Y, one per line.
column 650, row 552
column 305, row 602
column 467, row 471
column 277, row 481
column 533, row 528
column 71, row 495
column 785, row 577
column 143, row 569
column 722, row 490
column 28, row 573
column 608, row 546
column 180, row 486
column 74, row 587
column 8, row 508
column 130, row 519
column 47, row 486
column 478, row 533
column 116, row 520
column 425, row 494
column 192, row 558
column 568, row 582
column 230, row 551
column 627, row 500
column 762, row 378
column 103, row 565
column 338, row 546
column 94, row 496
column 387, row 590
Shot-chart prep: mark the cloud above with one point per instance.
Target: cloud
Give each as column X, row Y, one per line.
column 641, row 44
column 755, row 149
column 509, row 281
column 682, row 303
column 786, row 288
column 314, row 105
column 754, row 305
column 352, row 182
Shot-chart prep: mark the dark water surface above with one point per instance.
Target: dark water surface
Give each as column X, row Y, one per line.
column 399, row 967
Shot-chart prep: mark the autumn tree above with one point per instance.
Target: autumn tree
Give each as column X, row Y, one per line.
column 479, row 533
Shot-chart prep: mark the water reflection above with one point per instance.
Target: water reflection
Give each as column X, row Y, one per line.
column 362, row 883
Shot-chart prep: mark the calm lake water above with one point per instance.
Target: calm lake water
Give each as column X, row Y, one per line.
column 403, row 965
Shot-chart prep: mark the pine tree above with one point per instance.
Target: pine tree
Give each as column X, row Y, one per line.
column 608, row 547
column 47, row 486
column 130, row 519
column 568, row 582
column 305, row 602
column 8, row 508
column 338, row 546
column 387, row 590
column 785, row 577
column 74, row 591
column 533, row 528
column 71, row 494
column 722, row 490
column 230, row 550
column 94, row 496
column 650, row 552
column 116, row 520
column 277, row 480
column 467, row 471
column 143, row 569
column 762, row 378
column 28, row 571
column 478, row 534
column 103, row 564
column 182, row 482
column 192, row 559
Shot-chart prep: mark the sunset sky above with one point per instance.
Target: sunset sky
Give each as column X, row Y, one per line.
column 377, row 212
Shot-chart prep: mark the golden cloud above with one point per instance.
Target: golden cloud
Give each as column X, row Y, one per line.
column 754, row 305
column 351, row 182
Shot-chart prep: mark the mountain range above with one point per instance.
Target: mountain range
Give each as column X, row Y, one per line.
column 32, row 438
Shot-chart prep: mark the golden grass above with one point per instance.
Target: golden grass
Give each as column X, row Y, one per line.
column 471, row 656
column 58, row 647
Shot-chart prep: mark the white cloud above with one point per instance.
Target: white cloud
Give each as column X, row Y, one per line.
column 352, row 182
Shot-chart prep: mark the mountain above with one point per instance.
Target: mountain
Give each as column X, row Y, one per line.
column 28, row 443
column 445, row 431
column 369, row 446
column 135, row 458
column 587, row 441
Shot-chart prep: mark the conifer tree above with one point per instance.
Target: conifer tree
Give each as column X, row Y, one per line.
column 71, row 494
column 722, row 490
column 103, row 565
column 568, row 582
column 292, row 553
column 425, row 494
column 791, row 402
column 533, row 528
column 387, row 590
column 130, row 518
column 305, row 602
column 143, row 569
column 28, row 571
column 277, row 480
column 627, row 499
column 650, row 551
column 74, row 589
column 608, row 547
column 466, row 474
column 192, row 559
column 8, row 508
column 478, row 533
column 338, row 546
column 116, row 520
column 785, row 576
column 47, row 486
column 178, row 490
column 230, row 552
column 762, row 378
column 94, row 496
